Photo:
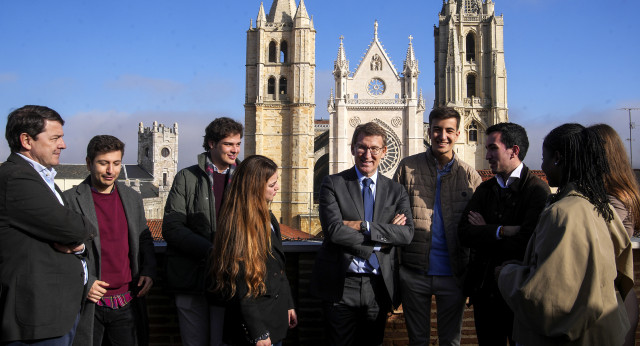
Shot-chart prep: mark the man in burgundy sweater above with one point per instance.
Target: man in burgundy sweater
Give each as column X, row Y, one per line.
column 122, row 260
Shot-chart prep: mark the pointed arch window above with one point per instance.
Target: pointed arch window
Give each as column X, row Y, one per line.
column 272, row 52
column 473, row 132
column 471, row 47
column 471, row 85
column 271, row 86
column 283, row 52
column 283, row 86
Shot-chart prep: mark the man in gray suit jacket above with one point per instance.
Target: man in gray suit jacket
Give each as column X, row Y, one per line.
column 122, row 261
column 364, row 215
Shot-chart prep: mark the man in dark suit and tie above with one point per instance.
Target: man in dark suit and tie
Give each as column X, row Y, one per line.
column 42, row 275
column 122, row 258
column 364, row 215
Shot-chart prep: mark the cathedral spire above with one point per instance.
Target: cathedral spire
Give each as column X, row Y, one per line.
column 410, row 68
column 375, row 30
column 302, row 11
column 282, row 11
column 302, row 17
column 341, row 65
column 262, row 19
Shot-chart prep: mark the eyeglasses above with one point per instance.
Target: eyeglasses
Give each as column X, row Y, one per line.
column 375, row 151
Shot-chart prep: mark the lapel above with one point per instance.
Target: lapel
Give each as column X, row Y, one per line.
column 87, row 208
column 276, row 241
column 353, row 186
column 381, row 193
column 129, row 211
column 18, row 160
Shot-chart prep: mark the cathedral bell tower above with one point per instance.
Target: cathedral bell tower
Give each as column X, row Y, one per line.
column 280, row 102
column 470, row 73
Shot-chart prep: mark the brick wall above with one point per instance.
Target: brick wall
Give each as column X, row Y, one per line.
column 164, row 325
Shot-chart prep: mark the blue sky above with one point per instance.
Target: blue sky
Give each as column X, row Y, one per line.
column 105, row 66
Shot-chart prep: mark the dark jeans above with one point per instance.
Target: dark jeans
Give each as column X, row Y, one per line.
column 493, row 319
column 117, row 325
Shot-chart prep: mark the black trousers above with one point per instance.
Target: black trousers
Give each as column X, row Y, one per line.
column 360, row 317
column 118, row 326
column 493, row 319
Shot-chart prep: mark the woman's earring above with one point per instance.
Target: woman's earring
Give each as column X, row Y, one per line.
column 555, row 163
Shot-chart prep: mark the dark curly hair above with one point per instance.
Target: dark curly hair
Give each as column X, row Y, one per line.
column 583, row 162
column 219, row 129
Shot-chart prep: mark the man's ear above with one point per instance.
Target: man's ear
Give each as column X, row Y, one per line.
column 25, row 141
column 516, row 150
column 88, row 164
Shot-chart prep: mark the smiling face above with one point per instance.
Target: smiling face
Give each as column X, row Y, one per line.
column 366, row 161
column 271, row 188
column 225, row 152
column 105, row 169
column 47, row 146
column 443, row 134
column 502, row 160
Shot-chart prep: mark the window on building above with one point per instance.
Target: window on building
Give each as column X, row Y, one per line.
column 473, row 132
column 283, row 52
column 471, row 86
column 272, row 52
column 471, row 47
column 271, row 86
column 164, row 179
column 283, row 86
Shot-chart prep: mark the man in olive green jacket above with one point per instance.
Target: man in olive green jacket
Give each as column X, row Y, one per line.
column 189, row 225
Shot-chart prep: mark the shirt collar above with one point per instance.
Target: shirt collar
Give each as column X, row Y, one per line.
column 215, row 169
column 361, row 176
column 514, row 175
column 40, row 168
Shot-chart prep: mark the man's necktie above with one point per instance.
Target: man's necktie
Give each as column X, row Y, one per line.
column 367, row 198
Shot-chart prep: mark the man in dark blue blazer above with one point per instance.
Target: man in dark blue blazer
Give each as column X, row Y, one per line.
column 42, row 275
column 364, row 215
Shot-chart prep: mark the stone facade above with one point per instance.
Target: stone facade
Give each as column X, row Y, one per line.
column 280, row 102
column 470, row 72
column 375, row 92
column 158, row 152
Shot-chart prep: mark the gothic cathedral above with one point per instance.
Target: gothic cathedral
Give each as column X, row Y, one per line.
column 470, row 72
column 375, row 92
column 280, row 102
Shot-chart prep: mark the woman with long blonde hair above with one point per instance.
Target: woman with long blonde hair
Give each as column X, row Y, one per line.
column 247, row 264
column 622, row 187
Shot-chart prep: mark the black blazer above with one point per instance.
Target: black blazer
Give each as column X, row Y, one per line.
column 248, row 318
column 142, row 260
column 41, row 288
column 340, row 200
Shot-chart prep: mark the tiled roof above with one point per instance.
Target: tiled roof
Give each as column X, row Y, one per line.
column 486, row 174
column 288, row 233
column 135, row 172
column 71, row 171
column 155, row 226
column 148, row 190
